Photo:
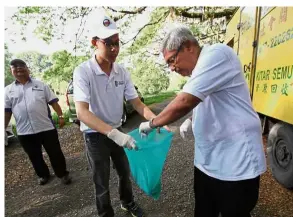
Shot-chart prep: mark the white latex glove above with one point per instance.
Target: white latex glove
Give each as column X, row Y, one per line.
column 144, row 128
column 184, row 127
column 122, row 139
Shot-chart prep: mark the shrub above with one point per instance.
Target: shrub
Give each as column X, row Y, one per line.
column 148, row 77
column 66, row 114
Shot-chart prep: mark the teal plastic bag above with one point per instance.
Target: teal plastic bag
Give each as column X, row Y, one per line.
column 147, row 163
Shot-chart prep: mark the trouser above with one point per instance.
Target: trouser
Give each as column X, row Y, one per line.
column 32, row 145
column 99, row 149
column 230, row 198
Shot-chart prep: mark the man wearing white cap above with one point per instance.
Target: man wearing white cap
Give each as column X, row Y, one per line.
column 100, row 86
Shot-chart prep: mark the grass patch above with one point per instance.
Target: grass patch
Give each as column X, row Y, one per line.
column 160, row 97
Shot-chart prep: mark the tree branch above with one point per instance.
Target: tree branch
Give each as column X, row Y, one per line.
column 81, row 25
column 187, row 9
column 125, row 12
column 228, row 12
column 137, row 11
column 153, row 54
column 148, row 24
column 208, row 36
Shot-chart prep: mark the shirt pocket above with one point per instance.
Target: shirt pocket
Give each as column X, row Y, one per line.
column 38, row 94
column 13, row 94
column 15, row 97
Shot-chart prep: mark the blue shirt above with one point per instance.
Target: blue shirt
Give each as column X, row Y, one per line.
column 227, row 130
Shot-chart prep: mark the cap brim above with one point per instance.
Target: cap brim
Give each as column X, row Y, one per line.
column 17, row 61
column 106, row 34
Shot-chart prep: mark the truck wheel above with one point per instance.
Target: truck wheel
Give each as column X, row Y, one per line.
column 280, row 153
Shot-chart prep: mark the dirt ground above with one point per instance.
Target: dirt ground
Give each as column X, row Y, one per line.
column 24, row 198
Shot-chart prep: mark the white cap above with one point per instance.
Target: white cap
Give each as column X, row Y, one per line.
column 105, row 28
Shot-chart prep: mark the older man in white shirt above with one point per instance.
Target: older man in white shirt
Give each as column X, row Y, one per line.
column 229, row 156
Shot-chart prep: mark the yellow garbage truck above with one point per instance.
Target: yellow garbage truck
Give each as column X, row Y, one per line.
column 263, row 39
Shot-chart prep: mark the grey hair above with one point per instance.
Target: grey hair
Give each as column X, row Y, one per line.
column 176, row 37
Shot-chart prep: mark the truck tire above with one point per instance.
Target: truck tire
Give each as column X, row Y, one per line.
column 280, row 153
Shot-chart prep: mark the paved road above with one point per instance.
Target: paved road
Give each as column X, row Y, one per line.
column 26, row 199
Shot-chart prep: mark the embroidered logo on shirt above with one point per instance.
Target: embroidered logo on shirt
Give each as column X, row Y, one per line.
column 117, row 83
column 36, row 88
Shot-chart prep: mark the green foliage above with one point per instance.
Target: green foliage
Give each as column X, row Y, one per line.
column 30, row 10
column 149, row 78
column 194, row 29
column 36, row 61
column 160, row 97
column 176, row 81
column 50, row 20
column 7, row 58
column 182, row 83
column 66, row 115
column 63, row 66
column 147, row 35
column 14, row 129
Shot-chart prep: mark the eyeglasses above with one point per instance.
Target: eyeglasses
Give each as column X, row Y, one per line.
column 110, row 44
column 171, row 61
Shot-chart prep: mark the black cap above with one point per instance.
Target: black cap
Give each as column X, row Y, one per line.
column 17, row 62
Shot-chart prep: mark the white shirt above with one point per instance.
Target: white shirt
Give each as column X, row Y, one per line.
column 227, row 130
column 29, row 106
column 105, row 94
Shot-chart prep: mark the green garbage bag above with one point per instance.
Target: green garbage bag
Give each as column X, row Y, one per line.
column 146, row 164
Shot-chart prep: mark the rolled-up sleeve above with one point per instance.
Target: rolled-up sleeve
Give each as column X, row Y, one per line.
column 81, row 86
column 50, row 96
column 129, row 91
column 8, row 103
column 213, row 73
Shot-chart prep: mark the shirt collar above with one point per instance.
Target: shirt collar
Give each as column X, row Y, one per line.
column 17, row 82
column 97, row 69
column 203, row 48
